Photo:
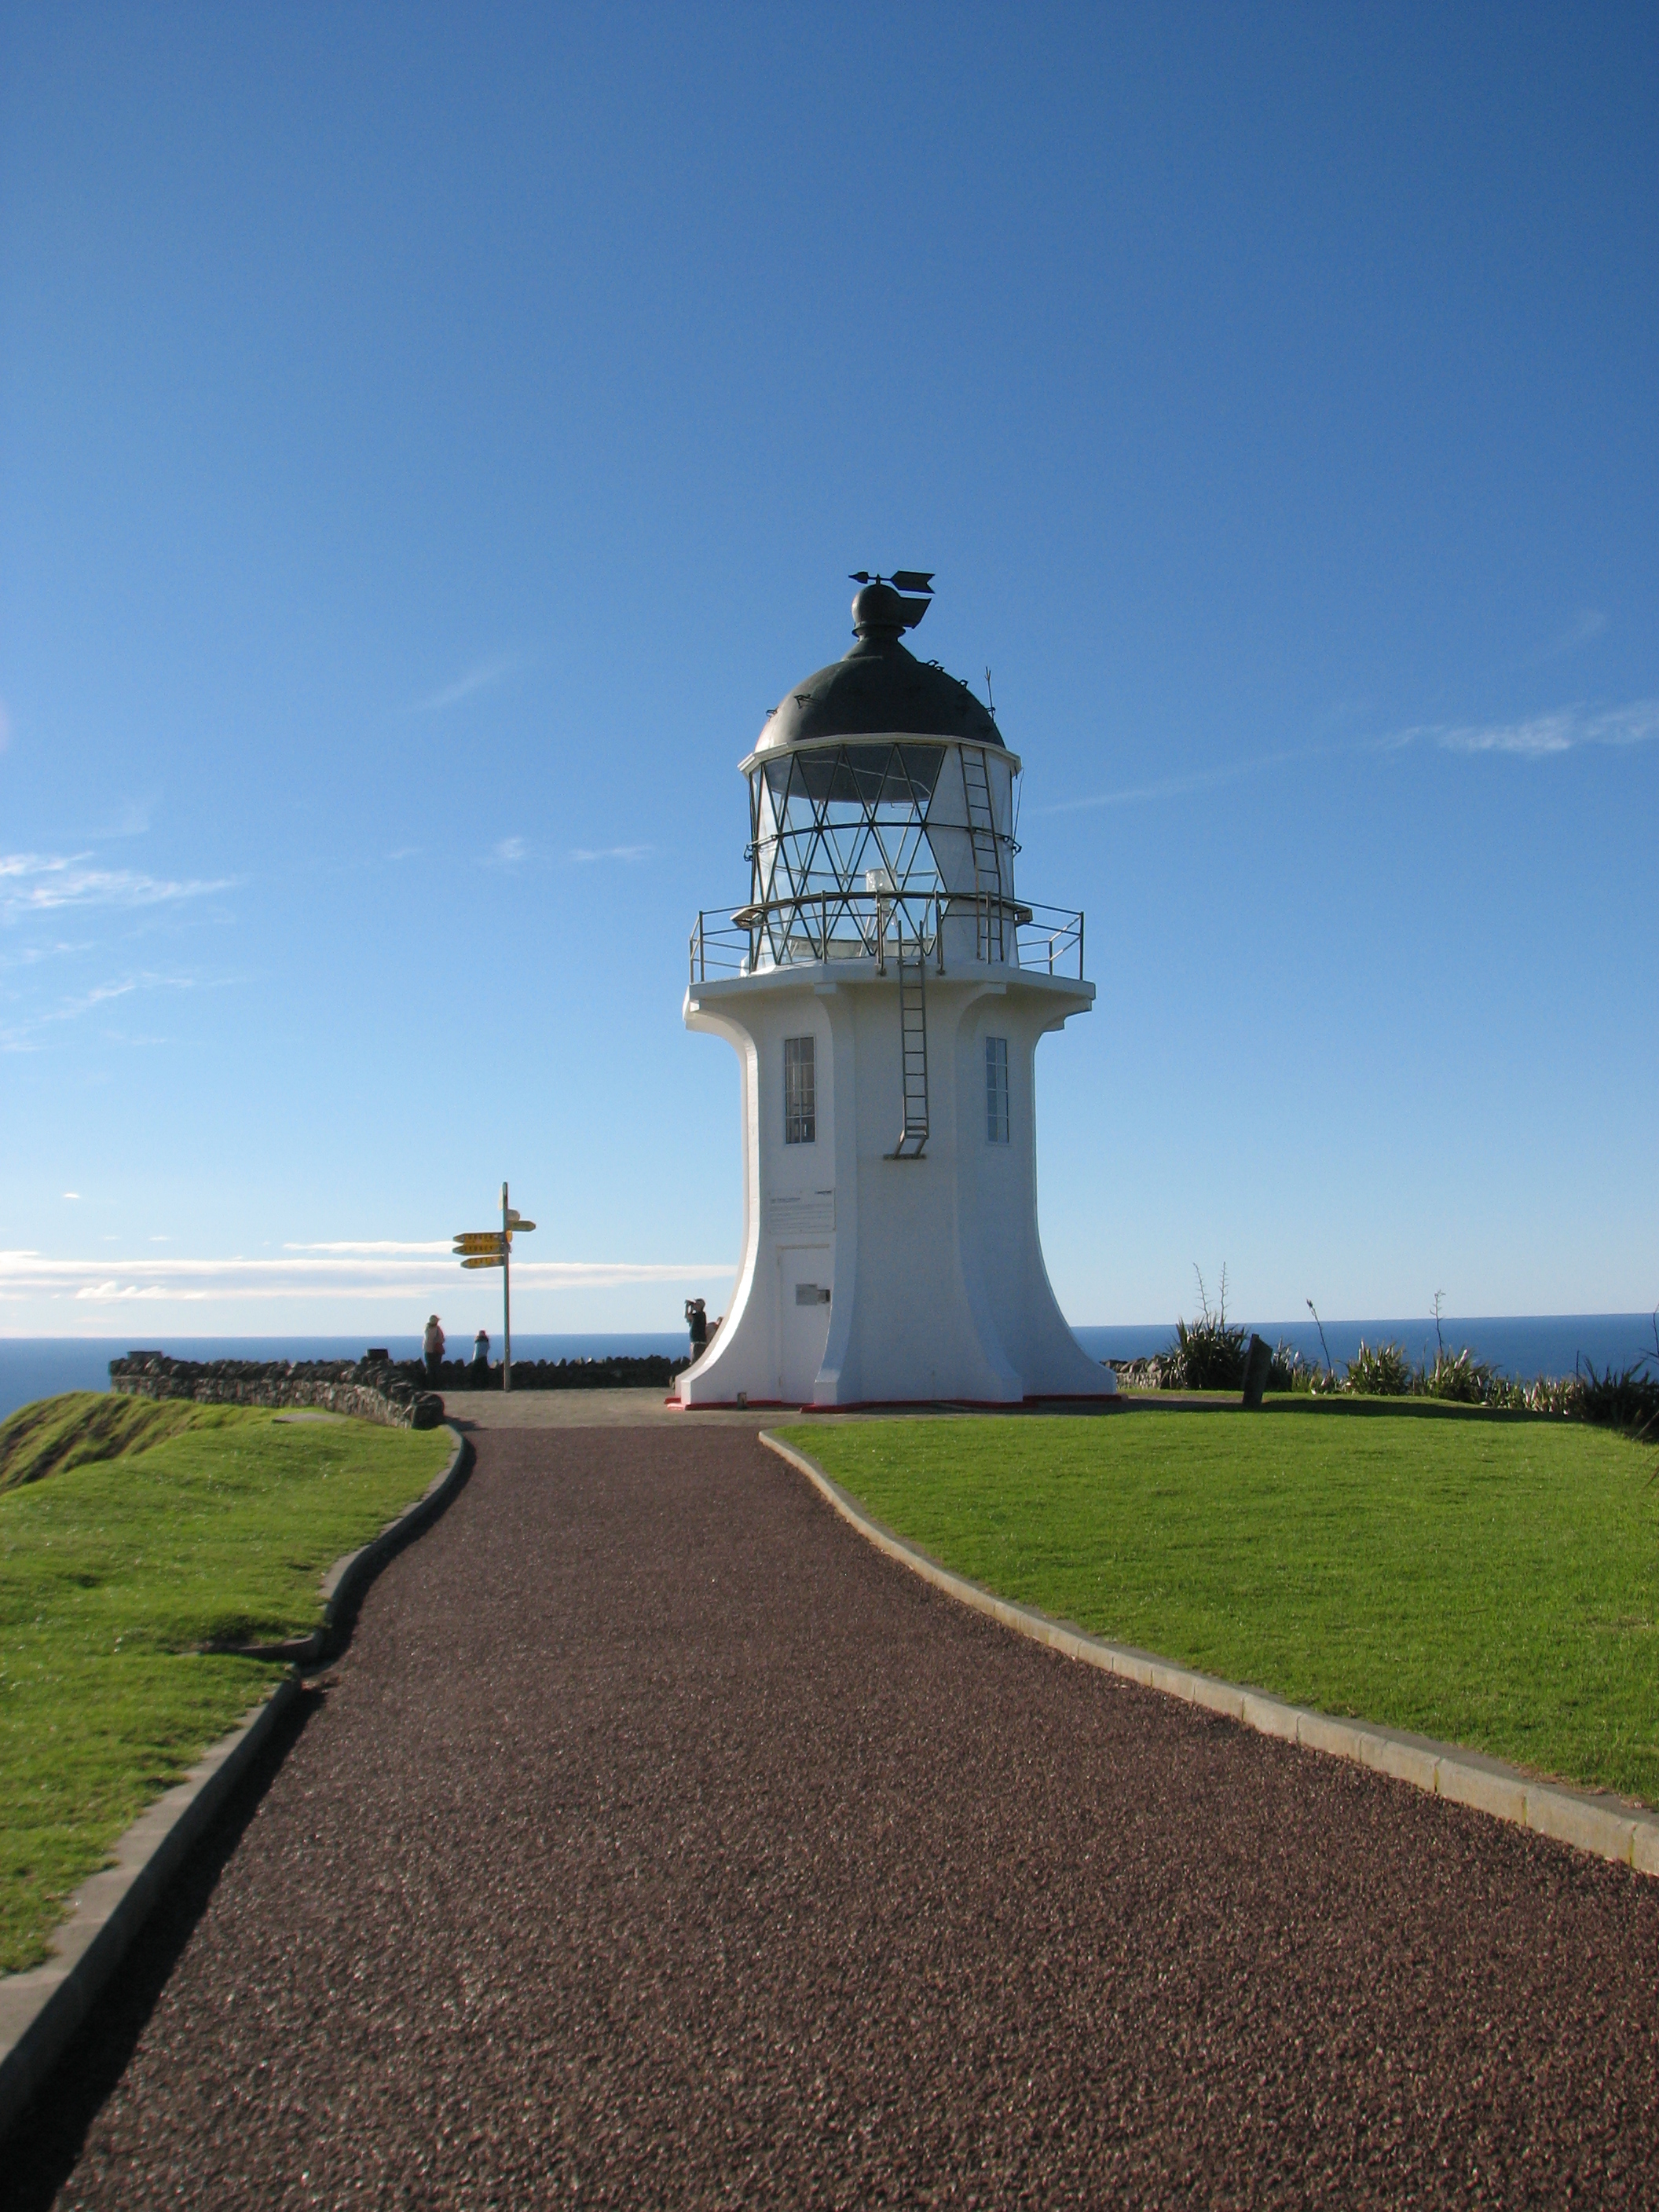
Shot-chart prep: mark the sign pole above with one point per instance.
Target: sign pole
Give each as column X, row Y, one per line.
column 506, row 1295
column 492, row 1247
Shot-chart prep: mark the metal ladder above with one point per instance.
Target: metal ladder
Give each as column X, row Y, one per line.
column 913, row 1045
column 988, row 856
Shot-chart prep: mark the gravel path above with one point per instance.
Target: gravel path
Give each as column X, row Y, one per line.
column 658, row 1842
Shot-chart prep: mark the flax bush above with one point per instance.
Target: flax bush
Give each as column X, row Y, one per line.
column 1459, row 1376
column 1385, row 1372
column 1289, row 1370
column 1208, row 1354
column 1629, row 1400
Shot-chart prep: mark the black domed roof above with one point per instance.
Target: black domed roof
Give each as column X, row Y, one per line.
column 879, row 688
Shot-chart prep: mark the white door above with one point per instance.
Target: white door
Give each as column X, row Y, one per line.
column 804, row 1272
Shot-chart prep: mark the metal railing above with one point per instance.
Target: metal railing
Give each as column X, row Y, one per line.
column 819, row 926
column 1051, row 938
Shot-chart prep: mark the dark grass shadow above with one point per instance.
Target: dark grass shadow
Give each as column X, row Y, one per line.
column 1306, row 1407
column 42, row 2150
column 1407, row 1409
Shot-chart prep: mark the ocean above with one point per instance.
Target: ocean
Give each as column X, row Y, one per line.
column 40, row 1366
column 1522, row 1345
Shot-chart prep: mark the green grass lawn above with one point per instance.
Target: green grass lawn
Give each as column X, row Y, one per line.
column 116, row 1579
column 1488, row 1578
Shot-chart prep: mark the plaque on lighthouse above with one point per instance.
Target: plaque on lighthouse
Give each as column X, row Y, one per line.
column 885, row 988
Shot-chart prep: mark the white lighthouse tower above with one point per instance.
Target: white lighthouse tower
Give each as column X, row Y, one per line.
column 884, row 991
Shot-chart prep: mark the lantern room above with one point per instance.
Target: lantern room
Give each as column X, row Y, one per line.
column 884, row 990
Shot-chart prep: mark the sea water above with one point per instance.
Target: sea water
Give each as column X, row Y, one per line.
column 41, row 1366
column 1526, row 1344
column 1519, row 1345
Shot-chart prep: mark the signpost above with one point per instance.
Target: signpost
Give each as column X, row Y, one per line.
column 492, row 1247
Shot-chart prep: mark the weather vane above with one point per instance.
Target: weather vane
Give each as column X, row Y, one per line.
column 915, row 587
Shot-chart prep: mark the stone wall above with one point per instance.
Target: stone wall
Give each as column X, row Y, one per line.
column 654, row 1370
column 373, row 1391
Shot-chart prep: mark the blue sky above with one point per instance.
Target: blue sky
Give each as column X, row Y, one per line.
column 432, row 439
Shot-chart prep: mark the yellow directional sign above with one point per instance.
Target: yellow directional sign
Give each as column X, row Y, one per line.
column 492, row 1247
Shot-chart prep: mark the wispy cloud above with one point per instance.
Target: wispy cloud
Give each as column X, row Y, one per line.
column 508, row 853
column 133, row 821
column 612, row 852
column 1589, row 623
column 1175, row 787
column 374, row 1245
column 99, row 996
column 40, row 882
column 476, row 679
column 1561, row 731
column 1535, row 739
column 31, row 956
column 347, row 1270
column 19, row 1035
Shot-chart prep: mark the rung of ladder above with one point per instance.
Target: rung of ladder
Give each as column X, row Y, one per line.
column 913, row 1047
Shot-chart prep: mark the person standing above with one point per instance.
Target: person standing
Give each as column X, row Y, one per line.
column 481, row 1357
column 432, row 1347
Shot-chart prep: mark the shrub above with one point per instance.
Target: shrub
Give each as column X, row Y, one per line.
column 1561, row 1394
column 1459, row 1376
column 1385, row 1372
column 1629, row 1400
column 1208, row 1354
column 1289, row 1370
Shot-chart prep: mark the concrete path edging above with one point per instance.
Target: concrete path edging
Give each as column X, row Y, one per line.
column 346, row 1579
column 41, row 2010
column 1591, row 1821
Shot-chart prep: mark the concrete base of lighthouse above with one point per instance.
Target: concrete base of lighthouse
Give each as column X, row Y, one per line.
column 866, row 1279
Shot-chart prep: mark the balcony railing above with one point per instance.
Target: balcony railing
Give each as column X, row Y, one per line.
column 824, row 926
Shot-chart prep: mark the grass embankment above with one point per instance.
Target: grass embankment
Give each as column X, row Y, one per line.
column 121, row 1576
column 1489, row 1579
column 57, row 1433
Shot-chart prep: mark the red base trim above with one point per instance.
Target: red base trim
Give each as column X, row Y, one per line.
column 875, row 1405
column 728, row 1404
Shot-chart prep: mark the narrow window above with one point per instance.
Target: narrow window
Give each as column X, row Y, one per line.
column 996, row 1091
column 800, row 1114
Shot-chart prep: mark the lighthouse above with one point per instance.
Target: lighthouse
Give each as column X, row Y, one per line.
column 885, row 989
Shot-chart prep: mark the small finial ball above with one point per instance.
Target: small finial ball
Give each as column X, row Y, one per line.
column 877, row 611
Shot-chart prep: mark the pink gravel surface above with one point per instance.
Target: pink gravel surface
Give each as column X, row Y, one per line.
column 655, row 1842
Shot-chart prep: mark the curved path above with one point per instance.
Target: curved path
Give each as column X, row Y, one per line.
column 657, row 1842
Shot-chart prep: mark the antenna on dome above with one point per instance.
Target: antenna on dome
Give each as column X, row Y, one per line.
column 914, row 585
